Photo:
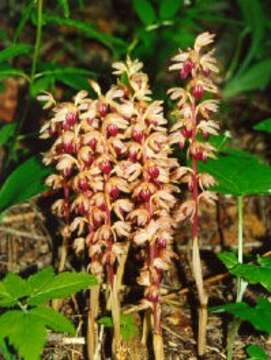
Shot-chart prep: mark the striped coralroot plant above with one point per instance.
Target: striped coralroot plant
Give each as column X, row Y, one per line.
column 148, row 168
column 194, row 123
column 111, row 156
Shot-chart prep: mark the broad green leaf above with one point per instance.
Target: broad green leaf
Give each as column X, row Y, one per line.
column 255, row 352
column 25, row 332
column 14, row 50
column 53, row 320
column 264, row 261
column 65, row 6
column 6, row 133
column 254, row 274
column 144, row 11
column 259, row 316
column 27, row 9
column 239, row 173
column 253, row 14
column 62, row 285
column 168, row 8
column 113, row 43
column 264, row 125
column 26, row 181
column 257, row 77
column 39, row 280
column 228, row 258
column 13, row 288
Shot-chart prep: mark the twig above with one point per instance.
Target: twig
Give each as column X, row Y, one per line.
column 20, row 233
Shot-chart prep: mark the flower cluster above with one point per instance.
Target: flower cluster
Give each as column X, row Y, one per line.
column 194, row 123
column 152, row 189
column 112, row 159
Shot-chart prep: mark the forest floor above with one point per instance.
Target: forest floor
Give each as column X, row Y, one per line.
column 27, row 243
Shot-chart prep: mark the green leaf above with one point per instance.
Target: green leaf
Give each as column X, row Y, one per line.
column 106, row 321
column 255, row 274
column 144, row 11
column 113, row 43
column 239, row 173
column 65, row 6
column 53, row 320
column 253, row 14
column 6, row 133
column 24, row 332
column 39, row 280
column 128, row 327
column 168, row 8
column 59, row 71
column 259, row 316
column 255, row 352
column 257, row 77
column 14, row 50
column 41, row 84
column 26, row 181
column 5, row 351
column 27, row 9
column 13, row 288
column 7, row 70
column 76, row 82
column 62, row 285
column 228, row 258
column 264, row 125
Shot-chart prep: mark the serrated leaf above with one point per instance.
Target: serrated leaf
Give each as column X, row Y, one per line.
column 228, row 258
column 13, row 288
column 24, row 332
column 62, row 285
column 6, row 133
column 14, row 50
column 255, row 352
column 264, row 125
column 26, row 12
column 254, row 274
column 168, row 8
column 65, row 6
column 111, row 42
column 259, row 316
column 26, row 181
column 39, row 280
column 53, row 320
column 257, row 77
column 239, row 173
column 144, row 11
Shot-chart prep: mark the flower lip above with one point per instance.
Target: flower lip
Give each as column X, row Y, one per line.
column 106, row 167
column 137, row 135
column 70, row 120
column 112, row 130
